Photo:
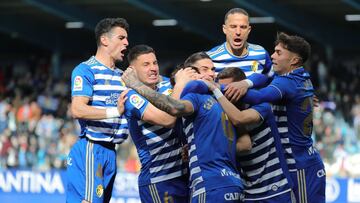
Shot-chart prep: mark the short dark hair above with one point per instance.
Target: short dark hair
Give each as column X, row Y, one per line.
column 295, row 44
column 138, row 50
column 232, row 72
column 193, row 58
column 235, row 10
column 107, row 24
column 179, row 67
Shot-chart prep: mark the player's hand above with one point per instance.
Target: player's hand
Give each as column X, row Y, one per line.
column 184, row 76
column 211, row 84
column 235, row 90
column 130, row 77
column 185, row 153
column 121, row 101
column 316, row 101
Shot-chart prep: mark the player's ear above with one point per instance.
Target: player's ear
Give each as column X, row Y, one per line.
column 104, row 40
column 224, row 28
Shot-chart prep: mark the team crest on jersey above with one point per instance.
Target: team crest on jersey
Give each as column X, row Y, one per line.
column 209, row 103
column 99, row 190
column 254, row 66
column 137, row 101
column 168, row 92
column 78, row 83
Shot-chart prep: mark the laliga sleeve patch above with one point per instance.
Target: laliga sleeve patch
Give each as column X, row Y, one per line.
column 78, row 83
column 137, row 101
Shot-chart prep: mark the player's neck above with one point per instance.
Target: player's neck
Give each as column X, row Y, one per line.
column 105, row 59
column 238, row 52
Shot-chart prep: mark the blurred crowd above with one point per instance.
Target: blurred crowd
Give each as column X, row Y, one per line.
column 37, row 130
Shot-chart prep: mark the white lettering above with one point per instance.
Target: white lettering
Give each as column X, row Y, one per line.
column 33, row 182
column 232, row 196
column 353, row 191
column 332, row 191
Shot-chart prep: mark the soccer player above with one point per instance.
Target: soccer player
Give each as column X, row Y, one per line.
column 263, row 167
column 163, row 176
column 237, row 52
column 291, row 92
column 95, row 88
column 213, row 174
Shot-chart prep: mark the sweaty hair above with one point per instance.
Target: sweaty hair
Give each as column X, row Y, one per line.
column 235, row 10
column 107, row 24
column 232, row 72
column 195, row 57
column 138, row 50
column 295, row 44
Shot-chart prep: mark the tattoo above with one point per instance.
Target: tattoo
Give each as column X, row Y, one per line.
column 163, row 102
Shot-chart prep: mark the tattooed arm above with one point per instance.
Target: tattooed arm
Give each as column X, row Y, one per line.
column 165, row 103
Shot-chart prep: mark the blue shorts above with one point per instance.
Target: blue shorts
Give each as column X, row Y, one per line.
column 91, row 171
column 309, row 184
column 226, row 195
column 170, row 191
column 287, row 197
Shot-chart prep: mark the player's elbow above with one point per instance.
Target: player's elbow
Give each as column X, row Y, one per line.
column 75, row 112
column 244, row 146
column 170, row 123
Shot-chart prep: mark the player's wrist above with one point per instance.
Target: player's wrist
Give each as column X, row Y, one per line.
column 112, row 112
column 217, row 93
column 249, row 82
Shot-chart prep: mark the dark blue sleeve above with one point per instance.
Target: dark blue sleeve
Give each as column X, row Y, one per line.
column 274, row 92
column 268, row 63
column 267, row 94
column 194, row 99
column 264, row 109
column 195, row 86
column 258, row 80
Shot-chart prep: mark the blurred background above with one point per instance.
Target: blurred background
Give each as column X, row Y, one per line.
column 41, row 41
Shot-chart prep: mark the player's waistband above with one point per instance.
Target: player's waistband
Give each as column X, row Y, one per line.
column 108, row 145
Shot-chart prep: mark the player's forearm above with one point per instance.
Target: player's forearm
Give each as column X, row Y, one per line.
column 91, row 113
column 165, row 103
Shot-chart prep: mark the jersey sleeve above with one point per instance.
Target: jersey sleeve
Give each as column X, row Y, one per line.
column 82, row 81
column 268, row 64
column 268, row 94
column 264, row 110
column 195, row 86
column 193, row 99
column 258, row 80
column 135, row 105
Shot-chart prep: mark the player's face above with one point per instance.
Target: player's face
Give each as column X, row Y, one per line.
column 206, row 69
column 237, row 30
column 147, row 69
column 117, row 42
column 283, row 59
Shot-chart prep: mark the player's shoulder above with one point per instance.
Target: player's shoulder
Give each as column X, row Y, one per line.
column 255, row 47
column 216, row 50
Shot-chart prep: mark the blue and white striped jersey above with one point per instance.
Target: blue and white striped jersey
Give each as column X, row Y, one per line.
column 257, row 60
column 264, row 168
column 211, row 146
column 103, row 86
column 159, row 148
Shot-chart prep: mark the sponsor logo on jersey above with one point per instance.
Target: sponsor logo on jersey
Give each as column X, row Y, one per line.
column 78, row 83
column 137, row 101
column 99, row 172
